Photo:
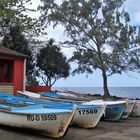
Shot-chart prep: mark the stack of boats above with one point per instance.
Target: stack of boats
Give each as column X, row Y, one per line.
column 51, row 113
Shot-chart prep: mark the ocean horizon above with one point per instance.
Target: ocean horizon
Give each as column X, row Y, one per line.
column 130, row 92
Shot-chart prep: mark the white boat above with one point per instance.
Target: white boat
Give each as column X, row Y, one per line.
column 87, row 116
column 136, row 110
column 114, row 109
column 50, row 122
column 129, row 107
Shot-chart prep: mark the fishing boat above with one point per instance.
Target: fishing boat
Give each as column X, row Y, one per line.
column 113, row 111
column 129, row 107
column 72, row 96
column 52, row 122
column 52, row 96
column 136, row 110
column 69, row 95
column 86, row 116
column 66, row 96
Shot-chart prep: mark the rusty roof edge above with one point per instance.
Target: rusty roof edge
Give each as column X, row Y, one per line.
column 9, row 52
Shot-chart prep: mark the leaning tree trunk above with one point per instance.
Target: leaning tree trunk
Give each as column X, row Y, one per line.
column 106, row 91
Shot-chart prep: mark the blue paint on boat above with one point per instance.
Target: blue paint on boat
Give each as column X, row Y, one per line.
column 78, row 107
column 28, row 108
column 40, row 110
column 114, row 112
column 46, row 104
column 50, row 94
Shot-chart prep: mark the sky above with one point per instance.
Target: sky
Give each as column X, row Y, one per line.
column 95, row 80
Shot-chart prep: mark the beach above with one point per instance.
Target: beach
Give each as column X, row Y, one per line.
column 128, row 129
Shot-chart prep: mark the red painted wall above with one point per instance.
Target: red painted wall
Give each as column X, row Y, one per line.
column 18, row 75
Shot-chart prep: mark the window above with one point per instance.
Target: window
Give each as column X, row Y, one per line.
column 6, row 71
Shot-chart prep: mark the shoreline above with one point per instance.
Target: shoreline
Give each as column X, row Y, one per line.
column 125, row 92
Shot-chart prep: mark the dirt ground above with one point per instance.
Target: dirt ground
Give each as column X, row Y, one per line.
column 128, row 129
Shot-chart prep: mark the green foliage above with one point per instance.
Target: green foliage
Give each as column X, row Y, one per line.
column 15, row 13
column 101, row 31
column 15, row 40
column 32, row 80
column 52, row 64
column 16, row 25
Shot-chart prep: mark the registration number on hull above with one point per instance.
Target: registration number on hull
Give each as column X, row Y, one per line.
column 87, row 111
column 112, row 109
column 31, row 117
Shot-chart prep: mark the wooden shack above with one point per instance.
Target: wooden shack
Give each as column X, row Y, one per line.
column 12, row 71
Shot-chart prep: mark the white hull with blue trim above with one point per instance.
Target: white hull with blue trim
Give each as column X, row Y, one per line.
column 114, row 109
column 87, row 116
column 48, row 121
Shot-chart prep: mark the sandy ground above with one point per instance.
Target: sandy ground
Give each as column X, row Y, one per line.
column 128, row 129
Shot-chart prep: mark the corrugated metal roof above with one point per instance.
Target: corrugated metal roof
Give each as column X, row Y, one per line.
column 5, row 51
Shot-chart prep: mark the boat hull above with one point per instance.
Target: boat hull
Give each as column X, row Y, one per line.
column 129, row 107
column 54, row 125
column 114, row 112
column 88, row 118
column 136, row 110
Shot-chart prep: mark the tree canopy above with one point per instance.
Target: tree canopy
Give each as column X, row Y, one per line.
column 16, row 13
column 101, row 32
column 15, row 40
column 18, row 29
column 52, row 64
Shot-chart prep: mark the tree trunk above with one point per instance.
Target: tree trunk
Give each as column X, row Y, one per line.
column 106, row 91
column 50, row 82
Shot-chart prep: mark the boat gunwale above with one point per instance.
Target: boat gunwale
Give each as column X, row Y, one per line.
column 24, row 113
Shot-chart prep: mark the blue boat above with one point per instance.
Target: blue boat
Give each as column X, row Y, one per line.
column 113, row 112
column 53, row 122
column 87, row 116
column 60, row 97
column 114, row 109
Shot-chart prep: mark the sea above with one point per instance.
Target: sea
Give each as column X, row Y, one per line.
column 128, row 92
